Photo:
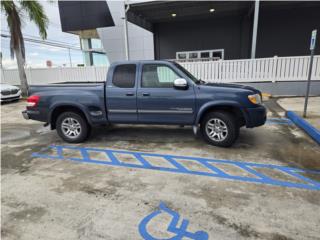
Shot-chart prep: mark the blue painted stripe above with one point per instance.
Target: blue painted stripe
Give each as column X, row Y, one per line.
column 177, row 167
column 280, row 121
column 176, row 164
column 59, row 150
column 301, row 177
column 142, row 160
column 252, row 171
column 303, row 124
column 178, row 232
column 184, row 158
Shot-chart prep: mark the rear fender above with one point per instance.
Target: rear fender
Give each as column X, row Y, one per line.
column 80, row 107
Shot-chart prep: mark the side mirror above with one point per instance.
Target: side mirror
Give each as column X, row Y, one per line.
column 180, row 83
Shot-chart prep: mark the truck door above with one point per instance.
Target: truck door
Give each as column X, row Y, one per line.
column 158, row 100
column 121, row 99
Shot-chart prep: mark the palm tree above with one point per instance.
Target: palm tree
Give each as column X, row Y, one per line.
column 15, row 11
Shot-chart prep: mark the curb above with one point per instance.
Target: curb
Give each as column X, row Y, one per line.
column 304, row 125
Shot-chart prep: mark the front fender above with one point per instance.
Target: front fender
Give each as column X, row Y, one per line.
column 220, row 103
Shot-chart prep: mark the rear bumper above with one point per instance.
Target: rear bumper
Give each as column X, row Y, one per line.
column 256, row 116
column 25, row 115
column 33, row 114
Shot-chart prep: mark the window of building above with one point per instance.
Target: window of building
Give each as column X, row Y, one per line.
column 124, row 76
column 203, row 55
column 93, row 52
column 217, row 55
column 96, row 43
column 157, row 76
column 99, row 59
column 193, row 55
column 85, row 43
column 182, row 55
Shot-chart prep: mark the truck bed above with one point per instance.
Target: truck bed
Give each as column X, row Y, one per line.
column 90, row 86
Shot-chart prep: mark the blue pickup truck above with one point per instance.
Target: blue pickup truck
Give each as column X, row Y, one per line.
column 147, row 92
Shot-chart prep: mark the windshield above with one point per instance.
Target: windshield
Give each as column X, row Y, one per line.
column 185, row 71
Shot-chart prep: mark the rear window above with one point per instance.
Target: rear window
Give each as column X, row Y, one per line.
column 124, row 76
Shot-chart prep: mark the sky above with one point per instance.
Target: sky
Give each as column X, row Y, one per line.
column 38, row 54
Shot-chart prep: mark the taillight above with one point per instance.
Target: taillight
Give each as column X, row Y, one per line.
column 32, row 101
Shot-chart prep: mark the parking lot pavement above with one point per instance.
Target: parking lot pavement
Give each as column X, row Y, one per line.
column 54, row 190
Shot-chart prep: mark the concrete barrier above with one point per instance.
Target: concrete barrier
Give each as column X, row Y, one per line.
column 304, row 125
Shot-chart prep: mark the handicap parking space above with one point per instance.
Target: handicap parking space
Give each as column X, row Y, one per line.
column 255, row 172
column 158, row 182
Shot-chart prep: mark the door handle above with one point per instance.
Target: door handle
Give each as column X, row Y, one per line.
column 145, row 94
column 130, row 94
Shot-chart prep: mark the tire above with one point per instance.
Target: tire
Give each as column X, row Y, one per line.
column 77, row 125
column 220, row 128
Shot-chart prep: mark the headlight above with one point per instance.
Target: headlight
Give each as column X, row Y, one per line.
column 255, row 98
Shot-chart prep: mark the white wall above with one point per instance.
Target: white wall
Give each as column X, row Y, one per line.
column 140, row 40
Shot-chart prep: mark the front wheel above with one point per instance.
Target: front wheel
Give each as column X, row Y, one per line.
column 72, row 127
column 220, row 128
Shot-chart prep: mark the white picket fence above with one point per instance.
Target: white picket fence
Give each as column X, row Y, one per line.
column 244, row 70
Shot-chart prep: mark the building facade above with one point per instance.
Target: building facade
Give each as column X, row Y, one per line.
column 192, row 30
column 101, row 27
column 224, row 29
column 140, row 41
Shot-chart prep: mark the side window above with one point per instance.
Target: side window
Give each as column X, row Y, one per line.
column 124, row 76
column 157, row 76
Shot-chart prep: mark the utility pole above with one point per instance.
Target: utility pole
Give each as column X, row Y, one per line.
column 126, row 39
column 255, row 29
column 70, row 61
column 312, row 47
column 2, row 71
column 1, row 59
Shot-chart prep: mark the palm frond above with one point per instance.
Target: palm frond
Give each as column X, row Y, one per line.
column 7, row 6
column 37, row 15
column 14, row 23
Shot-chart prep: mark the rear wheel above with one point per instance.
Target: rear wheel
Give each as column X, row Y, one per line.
column 220, row 128
column 72, row 127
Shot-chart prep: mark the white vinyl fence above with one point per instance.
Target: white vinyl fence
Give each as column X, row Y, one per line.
column 245, row 70
column 256, row 70
column 54, row 75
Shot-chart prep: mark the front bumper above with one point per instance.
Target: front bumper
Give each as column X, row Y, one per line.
column 256, row 116
column 9, row 98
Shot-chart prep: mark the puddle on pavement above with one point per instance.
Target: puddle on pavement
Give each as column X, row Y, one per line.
column 18, row 144
column 14, row 133
column 8, row 135
column 18, row 158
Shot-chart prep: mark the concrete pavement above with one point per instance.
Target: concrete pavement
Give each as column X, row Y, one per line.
column 61, row 199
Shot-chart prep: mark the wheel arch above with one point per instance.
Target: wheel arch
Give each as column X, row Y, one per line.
column 232, row 107
column 58, row 109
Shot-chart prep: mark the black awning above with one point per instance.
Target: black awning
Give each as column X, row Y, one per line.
column 84, row 15
column 146, row 14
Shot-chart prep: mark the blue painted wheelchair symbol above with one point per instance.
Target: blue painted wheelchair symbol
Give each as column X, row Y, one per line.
column 180, row 232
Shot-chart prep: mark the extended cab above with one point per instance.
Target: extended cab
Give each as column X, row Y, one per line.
column 147, row 92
